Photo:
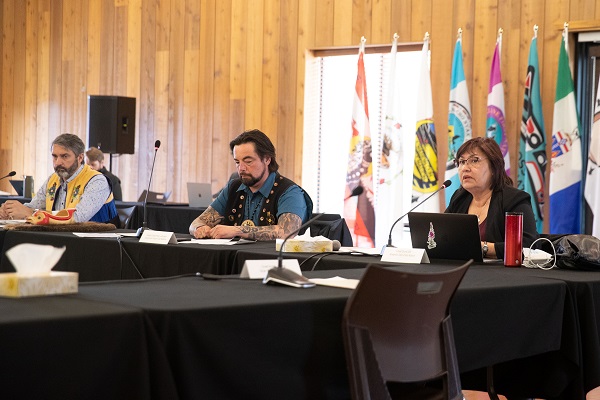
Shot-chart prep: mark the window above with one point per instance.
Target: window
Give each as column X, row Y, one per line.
column 329, row 96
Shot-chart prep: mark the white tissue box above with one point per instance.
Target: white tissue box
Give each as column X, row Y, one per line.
column 305, row 246
column 16, row 285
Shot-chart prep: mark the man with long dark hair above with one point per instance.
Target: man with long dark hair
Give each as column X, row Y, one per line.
column 261, row 204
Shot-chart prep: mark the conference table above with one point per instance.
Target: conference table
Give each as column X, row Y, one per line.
column 114, row 258
column 186, row 337
column 571, row 365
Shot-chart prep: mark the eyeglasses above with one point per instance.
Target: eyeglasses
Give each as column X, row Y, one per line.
column 474, row 162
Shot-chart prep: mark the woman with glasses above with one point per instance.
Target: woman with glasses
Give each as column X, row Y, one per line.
column 487, row 192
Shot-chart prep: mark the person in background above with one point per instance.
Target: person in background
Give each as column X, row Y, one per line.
column 95, row 159
column 72, row 185
column 259, row 204
column 487, row 192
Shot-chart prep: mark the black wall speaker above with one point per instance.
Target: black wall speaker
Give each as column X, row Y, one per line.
column 111, row 124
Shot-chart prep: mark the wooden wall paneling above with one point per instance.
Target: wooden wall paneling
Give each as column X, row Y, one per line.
column 191, row 92
column 362, row 21
column 512, row 66
column 289, row 158
column 420, row 19
column 443, row 38
column 162, row 96
column 94, row 36
column 254, row 66
column 146, row 123
column 107, row 43
column 485, row 34
column 325, row 19
column 8, row 50
column 239, row 46
column 120, row 53
column 342, row 29
column 221, row 132
column 306, row 40
column 582, row 9
column 401, row 12
column 125, row 166
column 19, row 87
column 174, row 160
column 207, row 75
column 271, row 65
column 41, row 134
column 31, row 85
column 556, row 12
column 381, row 28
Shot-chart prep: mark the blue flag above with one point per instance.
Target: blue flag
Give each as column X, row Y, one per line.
column 565, row 174
column 459, row 117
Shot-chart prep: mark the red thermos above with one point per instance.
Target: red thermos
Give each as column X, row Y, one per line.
column 513, row 239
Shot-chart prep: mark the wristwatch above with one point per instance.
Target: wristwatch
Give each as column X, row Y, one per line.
column 484, row 249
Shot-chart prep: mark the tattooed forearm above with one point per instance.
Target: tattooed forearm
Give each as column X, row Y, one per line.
column 210, row 217
column 287, row 223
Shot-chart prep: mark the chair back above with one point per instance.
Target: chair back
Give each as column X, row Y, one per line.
column 397, row 328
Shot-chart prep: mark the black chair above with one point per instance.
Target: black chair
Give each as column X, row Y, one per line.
column 331, row 226
column 125, row 214
column 398, row 335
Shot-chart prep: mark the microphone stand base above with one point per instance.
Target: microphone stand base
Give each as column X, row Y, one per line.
column 287, row 277
column 139, row 232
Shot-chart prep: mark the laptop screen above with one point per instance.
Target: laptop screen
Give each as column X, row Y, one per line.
column 199, row 194
column 446, row 236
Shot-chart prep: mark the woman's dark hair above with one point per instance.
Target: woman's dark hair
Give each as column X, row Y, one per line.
column 492, row 152
column 262, row 145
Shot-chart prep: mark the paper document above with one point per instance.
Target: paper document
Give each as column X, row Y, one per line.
column 336, row 281
column 97, row 234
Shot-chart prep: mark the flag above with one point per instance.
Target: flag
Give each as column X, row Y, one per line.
column 389, row 187
column 565, row 171
column 592, row 182
column 425, row 168
column 496, row 125
column 358, row 210
column 532, row 144
column 459, row 117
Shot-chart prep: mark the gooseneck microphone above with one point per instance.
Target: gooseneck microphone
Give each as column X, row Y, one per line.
column 283, row 275
column 142, row 228
column 444, row 186
column 11, row 173
column 357, row 191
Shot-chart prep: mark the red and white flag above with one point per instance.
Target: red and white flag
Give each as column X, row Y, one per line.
column 359, row 211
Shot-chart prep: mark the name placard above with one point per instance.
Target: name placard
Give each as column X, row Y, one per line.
column 407, row 256
column 257, row 269
column 158, row 237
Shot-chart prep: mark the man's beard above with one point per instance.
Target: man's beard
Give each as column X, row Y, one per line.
column 250, row 180
column 65, row 173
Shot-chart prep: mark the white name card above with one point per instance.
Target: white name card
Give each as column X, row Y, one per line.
column 257, row 269
column 158, row 237
column 408, row 256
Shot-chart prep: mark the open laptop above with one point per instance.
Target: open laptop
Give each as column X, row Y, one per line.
column 199, row 194
column 17, row 184
column 155, row 197
column 446, row 236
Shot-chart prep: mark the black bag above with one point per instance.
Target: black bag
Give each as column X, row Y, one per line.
column 580, row 252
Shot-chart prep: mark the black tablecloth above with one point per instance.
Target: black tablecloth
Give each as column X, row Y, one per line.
column 64, row 347
column 235, row 338
column 99, row 259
